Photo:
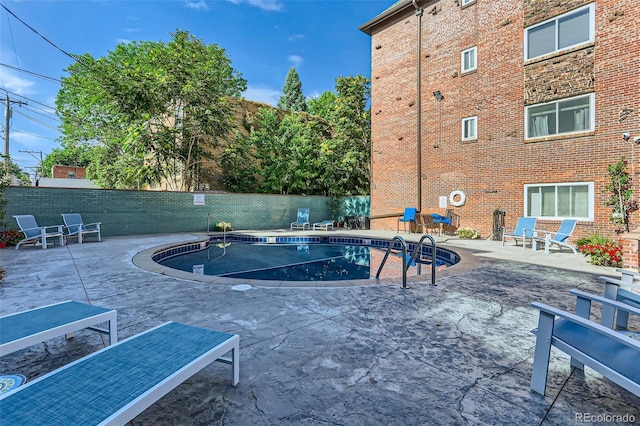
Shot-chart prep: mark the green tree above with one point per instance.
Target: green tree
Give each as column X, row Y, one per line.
column 155, row 109
column 292, row 98
column 620, row 195
column 79, row 155
column 347, row 152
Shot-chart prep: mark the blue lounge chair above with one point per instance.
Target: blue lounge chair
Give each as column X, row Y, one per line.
column 35, row 234
column 558, row 238
column 303, row 220
column 23, row 329
column 408, row 217
column 75, row 227
column 115, row 384
column 524, row 230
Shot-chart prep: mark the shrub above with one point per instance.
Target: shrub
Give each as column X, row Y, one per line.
column 601, row 250
column 12, row 237
column 468, row 233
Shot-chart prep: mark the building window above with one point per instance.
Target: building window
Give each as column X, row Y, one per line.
column 572, row 200
column 560, row 33
column 467, row 2
column 569, row 115
column 469, row 128
column 468, row 59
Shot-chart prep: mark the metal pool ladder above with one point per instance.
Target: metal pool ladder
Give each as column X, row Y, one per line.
column 414, row 256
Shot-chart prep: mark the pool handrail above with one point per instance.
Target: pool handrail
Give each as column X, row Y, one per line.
column 414, row 255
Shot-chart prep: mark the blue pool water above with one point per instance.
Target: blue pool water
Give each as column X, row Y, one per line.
column 288, row 258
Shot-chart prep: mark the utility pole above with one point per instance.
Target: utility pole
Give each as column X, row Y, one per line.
column 41, row 167
column 7, row 118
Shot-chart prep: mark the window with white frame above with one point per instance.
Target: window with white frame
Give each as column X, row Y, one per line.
column 468, row 59
column 569, row 115
column 562, row 32
column 466, row 2
column 469, row 128
column 572, row 200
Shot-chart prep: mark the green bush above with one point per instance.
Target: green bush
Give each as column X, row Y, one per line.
column 468, row 233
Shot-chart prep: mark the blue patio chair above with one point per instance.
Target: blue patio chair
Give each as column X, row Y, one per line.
column 524, row 230
column 559, row 237
column 35, row 234
column 409, row 217
column 303, row 220
column 74, row 226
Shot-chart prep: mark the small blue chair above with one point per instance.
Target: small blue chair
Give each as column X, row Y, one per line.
column 302, row 222
column 560, row 237
column 409, row 217
column 524, row 230
column 35, row 234
column 441, row 220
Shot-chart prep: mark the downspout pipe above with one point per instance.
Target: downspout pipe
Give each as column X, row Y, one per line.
column 419, row 103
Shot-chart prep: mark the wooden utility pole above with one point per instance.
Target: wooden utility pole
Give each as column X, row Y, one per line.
column 7, row 118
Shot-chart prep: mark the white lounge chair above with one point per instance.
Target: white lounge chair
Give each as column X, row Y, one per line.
column 324, row 225
column 302, row 222
column 35, row 234
column 75, row 227
column 115, row 384
column 23, row 329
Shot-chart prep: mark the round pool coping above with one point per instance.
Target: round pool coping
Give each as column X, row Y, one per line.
column 144, row 260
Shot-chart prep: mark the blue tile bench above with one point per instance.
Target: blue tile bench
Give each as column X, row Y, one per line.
column 607, row 351
column 115, row 384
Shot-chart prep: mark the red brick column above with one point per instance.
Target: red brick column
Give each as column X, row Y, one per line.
column 630, row 248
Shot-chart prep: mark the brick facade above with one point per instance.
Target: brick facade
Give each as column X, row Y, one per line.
column 493, row 169
column 68, row 172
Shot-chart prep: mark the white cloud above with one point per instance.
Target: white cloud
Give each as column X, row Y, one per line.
column 197, row 5
column 296, row 37
column 262, row 94
column 262, row 4
column 295, row 60
column 13, row 82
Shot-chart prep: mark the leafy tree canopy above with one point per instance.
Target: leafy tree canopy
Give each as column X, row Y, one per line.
column 327, row 153
column 152, row 109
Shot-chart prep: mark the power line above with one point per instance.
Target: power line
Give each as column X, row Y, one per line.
column 54, row 80
column 74, row 57
column 46, row 114
column 48, row 126
column 29, row 99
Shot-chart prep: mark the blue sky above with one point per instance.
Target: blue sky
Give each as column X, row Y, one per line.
column 263, row 38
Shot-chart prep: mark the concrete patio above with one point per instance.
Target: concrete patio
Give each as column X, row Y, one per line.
column 459, row 353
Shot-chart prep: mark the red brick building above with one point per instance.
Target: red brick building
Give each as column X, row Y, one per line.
column 521, row 105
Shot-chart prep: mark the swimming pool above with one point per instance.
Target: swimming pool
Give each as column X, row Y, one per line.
column 332, row 258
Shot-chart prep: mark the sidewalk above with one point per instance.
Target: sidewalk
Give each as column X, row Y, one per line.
column 452, row 354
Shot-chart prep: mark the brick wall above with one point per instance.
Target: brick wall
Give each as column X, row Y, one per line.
column 148, row 212
column 493, row 170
